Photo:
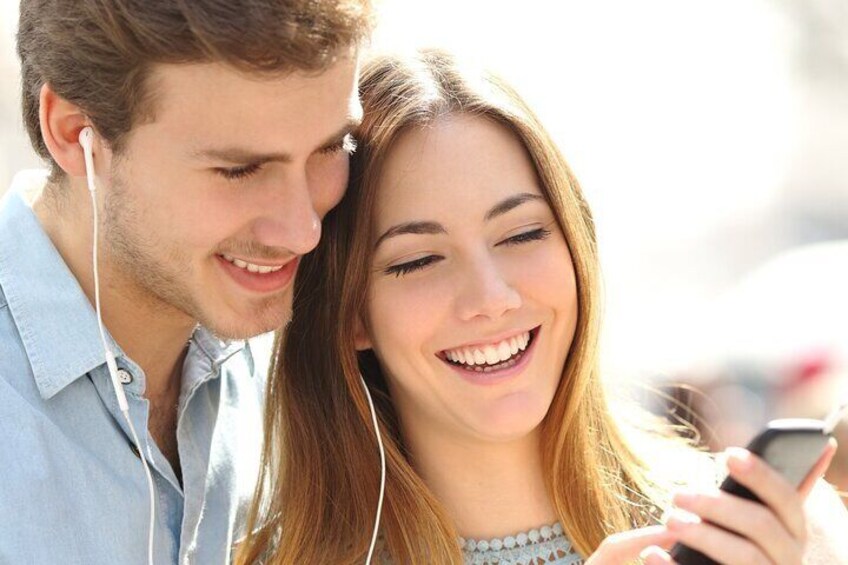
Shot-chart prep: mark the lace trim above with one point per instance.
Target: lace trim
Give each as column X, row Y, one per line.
column 543, row 546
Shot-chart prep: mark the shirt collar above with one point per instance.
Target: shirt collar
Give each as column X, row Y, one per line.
column 56, row 322
column 215, row 349
column 206, row 355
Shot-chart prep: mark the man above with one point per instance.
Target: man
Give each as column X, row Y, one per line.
column 221, row 138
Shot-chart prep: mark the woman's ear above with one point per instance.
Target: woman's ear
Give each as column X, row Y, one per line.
column 61, row 123
column 361, row 338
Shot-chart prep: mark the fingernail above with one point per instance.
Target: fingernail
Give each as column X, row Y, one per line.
column 684, row 498
column 680, row 519
column 739, row 459
column 649, row 552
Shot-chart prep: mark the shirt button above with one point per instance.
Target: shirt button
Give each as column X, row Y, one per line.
column 125, row 376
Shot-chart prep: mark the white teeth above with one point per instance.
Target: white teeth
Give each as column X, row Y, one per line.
column 504, row 351
column 252, row 267
column 492, row 354
column 492, row 357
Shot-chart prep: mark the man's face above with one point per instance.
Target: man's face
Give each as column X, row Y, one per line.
column 209, row 206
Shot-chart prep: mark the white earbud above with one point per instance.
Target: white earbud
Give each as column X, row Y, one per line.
column 86, row 140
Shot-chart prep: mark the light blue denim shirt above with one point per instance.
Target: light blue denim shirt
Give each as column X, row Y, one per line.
column 72, row 486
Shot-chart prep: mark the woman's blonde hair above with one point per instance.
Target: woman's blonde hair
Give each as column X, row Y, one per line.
column 319, row 486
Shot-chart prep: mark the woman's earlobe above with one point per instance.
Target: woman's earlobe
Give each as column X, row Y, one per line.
column 361, row 339
column 61, row 123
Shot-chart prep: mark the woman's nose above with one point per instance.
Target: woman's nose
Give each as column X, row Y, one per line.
column 486, row 292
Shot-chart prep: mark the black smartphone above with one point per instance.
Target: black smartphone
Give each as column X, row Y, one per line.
column 791, row 446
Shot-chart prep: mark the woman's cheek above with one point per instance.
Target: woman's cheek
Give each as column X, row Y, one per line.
column 416, row 306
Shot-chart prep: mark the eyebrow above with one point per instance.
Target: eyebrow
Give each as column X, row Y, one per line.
column 512, row 202
column 435, row 228
column 428, row 228
column 240, row 155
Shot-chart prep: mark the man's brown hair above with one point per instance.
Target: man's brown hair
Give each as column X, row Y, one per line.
column 98, row 54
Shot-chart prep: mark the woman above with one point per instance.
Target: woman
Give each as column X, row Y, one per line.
column 459, row 276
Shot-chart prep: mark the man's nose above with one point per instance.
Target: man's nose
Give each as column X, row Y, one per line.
column 289, row 220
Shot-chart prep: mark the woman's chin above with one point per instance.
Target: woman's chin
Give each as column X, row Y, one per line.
column 511, row 420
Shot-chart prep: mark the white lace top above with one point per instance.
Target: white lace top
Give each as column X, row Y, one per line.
column 547, row 545
column 544, row 546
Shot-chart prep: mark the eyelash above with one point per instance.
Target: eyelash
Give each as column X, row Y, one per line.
column 346, row 144
column 418, row 264
column 406, row 268
column 532, row 235
column 238, row 173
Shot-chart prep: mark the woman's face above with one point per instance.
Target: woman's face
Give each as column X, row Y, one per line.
column 472, row 302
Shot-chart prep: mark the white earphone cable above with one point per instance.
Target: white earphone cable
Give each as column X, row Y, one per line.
column 86, row 141
column 382, row 474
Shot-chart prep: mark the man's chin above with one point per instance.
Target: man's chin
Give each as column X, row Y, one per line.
column 247, row 326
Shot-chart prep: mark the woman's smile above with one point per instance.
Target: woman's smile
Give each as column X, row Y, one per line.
column 493, row 361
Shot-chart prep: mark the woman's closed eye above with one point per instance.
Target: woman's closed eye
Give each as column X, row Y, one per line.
column 526, row 237
column 410, row 266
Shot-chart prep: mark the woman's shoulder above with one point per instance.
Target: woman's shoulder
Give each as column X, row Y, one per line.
column 827, row 520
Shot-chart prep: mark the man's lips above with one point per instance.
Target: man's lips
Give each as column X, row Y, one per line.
column 257, row 277
column 253, row 265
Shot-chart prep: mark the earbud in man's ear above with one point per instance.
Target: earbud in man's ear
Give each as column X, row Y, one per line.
column 86, row 140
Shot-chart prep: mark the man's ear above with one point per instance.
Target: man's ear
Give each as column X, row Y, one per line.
column 61, row 123
column 361, row 339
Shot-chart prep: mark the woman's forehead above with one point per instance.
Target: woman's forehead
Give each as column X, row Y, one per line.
column 458, row 164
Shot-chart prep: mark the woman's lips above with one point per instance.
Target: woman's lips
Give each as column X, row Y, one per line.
column 489, row 373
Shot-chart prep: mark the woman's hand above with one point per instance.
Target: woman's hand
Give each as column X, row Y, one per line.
column 773, row 533
column 627, row 546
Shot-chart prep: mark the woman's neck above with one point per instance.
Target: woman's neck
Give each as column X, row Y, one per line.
column 489, row 489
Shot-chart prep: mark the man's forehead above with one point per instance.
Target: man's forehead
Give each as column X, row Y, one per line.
column 213, row 99
column 219, row 78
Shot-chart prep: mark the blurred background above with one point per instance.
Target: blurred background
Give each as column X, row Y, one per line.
column 711, row 139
